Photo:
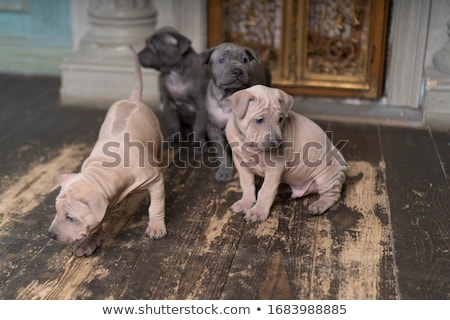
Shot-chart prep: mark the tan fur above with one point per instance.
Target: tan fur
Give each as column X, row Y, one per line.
column 123, row 162
column 269, row 140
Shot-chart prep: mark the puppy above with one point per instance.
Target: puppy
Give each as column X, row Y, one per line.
column 232, row 68
column 124, row 161
column 269, row 140
column 182, row 82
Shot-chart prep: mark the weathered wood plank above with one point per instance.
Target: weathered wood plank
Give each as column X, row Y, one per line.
column 361, row 142
column 358, row 142
column 270, row 262
column 192, row 262
column 442, row 144
column 354, row 243
column 39, row 140
column 419, row 204
column 23, row 100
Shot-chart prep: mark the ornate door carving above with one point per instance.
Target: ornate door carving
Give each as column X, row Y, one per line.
column 314, row 47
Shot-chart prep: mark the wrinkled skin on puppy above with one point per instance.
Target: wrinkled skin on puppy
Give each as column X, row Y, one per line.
column 285, row 148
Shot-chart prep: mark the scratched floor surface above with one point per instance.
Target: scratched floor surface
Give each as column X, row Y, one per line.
column 388, row 237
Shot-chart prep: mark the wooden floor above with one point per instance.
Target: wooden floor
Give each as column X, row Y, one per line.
column 388, row 238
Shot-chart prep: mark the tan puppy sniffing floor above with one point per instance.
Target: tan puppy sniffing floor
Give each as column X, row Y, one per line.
column 269, row 140
column 123, row 162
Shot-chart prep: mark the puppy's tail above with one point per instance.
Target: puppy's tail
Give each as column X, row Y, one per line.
column 136, row 94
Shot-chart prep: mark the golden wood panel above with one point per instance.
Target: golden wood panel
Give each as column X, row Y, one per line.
column 313, row 47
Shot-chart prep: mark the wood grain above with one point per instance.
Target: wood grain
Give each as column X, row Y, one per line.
column 419, row 208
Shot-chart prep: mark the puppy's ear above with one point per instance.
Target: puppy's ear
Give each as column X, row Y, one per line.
column 178, row 40
column 98, row 205
column 60, row 180
column 206, row 55
column 183, row 43
column 252, row 55
column 240, row 101
column 286, row 101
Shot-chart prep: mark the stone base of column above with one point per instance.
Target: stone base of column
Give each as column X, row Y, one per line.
column 436, row 101
column 98, row 81
column 101, row 71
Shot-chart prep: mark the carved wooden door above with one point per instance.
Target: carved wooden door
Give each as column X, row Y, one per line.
column 314, row 47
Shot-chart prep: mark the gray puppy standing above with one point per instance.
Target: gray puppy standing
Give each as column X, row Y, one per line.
column 232, row 68
column 182, row 81
column 123, row 162
column 282, row 146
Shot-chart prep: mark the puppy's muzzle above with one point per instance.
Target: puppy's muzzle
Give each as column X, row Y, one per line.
column 271, row 142
column 144, row 58
column 52, row 235
column 235, row 76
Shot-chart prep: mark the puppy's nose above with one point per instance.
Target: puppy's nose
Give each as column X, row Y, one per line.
column 237, row 72
column 272, row 144
column 272, row 141
column 275, row 144
column 52, row 235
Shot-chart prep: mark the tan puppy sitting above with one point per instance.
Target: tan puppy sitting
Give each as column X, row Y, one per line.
column 269, row 140
column 123, row 162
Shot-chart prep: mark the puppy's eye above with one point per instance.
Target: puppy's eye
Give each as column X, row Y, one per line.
column 221, row 60
column 244, row 60
column 280, row 120
column 259, row 120
column 70, row 218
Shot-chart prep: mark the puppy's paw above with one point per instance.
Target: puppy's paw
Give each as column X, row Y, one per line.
column 224, row 174
column 256, row 214
column 156, row 230
column 242, row 205
column 319, row 206
column 86, row 247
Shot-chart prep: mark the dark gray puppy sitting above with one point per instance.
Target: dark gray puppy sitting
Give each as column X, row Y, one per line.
column 232, row 68
column 182, row 82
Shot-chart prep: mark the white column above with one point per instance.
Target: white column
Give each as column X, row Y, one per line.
column 407, row 40
column 441, row 59
column 101, row 71
column 436, row 106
